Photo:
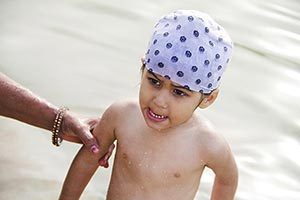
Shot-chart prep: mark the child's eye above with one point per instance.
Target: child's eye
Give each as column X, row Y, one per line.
column 154, row 82
column 179, row 92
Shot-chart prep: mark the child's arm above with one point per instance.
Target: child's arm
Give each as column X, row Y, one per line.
column 85, row 164
column 226, row 179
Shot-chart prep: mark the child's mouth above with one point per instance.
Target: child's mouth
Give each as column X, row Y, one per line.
column 155, row 117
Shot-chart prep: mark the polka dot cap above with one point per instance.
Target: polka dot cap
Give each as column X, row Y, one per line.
column 191, row 49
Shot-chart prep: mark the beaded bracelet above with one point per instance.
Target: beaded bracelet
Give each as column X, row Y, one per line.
column 56, row 140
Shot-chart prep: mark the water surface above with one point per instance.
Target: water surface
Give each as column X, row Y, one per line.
column 86, row 54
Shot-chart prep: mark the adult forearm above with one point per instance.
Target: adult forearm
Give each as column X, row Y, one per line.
column 21, row 104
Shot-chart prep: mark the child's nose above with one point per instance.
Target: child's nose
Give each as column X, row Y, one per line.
column 161, row 99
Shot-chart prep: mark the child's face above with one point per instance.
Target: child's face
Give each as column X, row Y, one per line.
column 165, row 104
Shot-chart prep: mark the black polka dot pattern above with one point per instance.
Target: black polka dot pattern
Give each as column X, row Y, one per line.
column 174, row 59
column 169, row 45
column 182, row 39
column 206, row 62
column 188, row 54
column 190, row 18
column 196, row 33
column 180, row 74
column 206, row 29
column 194, row 68
column 201, row 49
column 191, row 49
column 160, row 64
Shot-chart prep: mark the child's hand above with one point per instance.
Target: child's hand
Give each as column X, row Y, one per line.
column 104, row 160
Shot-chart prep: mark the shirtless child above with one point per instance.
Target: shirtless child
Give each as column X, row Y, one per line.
column 163, row 145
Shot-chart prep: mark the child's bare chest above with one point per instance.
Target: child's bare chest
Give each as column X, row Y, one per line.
column 161, row 161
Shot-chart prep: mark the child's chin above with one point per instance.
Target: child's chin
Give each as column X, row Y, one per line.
column 155, row 126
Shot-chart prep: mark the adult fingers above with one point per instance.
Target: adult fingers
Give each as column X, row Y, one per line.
column 73, row 127
column 92, row 122
column 68, row 138
column 88, row 139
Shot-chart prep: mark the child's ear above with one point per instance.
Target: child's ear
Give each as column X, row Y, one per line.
column 208, row 100
column 143, row 59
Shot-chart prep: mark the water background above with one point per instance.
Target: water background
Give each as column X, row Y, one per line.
column 86, row 54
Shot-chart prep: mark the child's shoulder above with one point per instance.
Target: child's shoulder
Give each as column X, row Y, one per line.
column 209, row 136
column 121, row 107
column 124, row 104
column 117, row 113
column 204, row 126
column 218, row 154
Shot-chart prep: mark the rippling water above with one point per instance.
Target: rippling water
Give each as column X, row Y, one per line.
column 86, row 54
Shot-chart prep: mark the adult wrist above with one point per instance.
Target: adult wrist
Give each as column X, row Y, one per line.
column 57, row 125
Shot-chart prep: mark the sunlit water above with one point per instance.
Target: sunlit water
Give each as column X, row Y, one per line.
column 86, row 54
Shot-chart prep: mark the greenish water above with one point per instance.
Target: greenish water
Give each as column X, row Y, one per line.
column 86, row 54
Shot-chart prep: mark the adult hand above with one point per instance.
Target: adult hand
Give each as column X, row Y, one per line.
column 19, row 103
column 78, row 131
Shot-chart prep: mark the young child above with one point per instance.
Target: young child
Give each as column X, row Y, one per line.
column 163, row 146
